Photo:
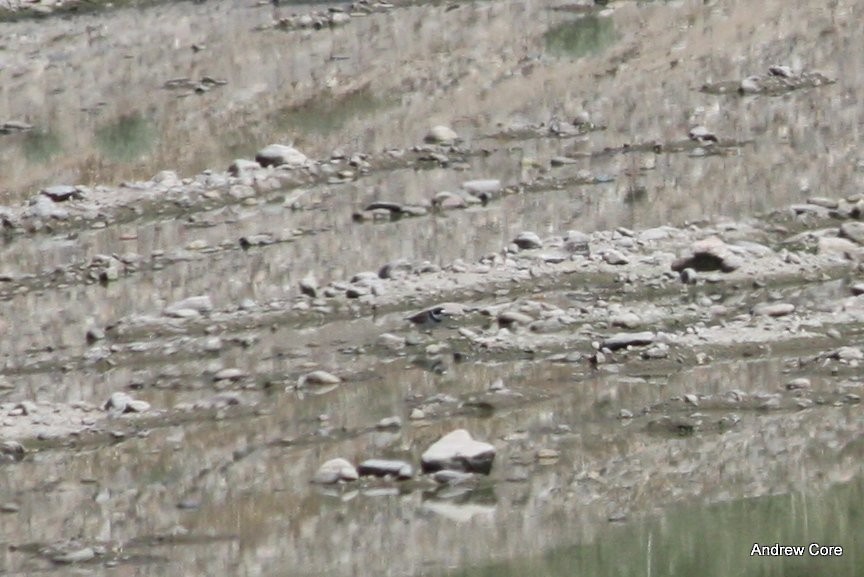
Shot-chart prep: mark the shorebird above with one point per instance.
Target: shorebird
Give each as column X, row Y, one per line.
column 429, row 317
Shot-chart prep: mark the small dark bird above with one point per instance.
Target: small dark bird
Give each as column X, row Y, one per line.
column 429, row 317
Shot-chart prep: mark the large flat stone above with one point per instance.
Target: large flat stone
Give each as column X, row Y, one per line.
column 457, row 451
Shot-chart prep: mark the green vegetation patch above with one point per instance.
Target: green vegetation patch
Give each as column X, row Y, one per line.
column 581, row 37
column 326, row 115
column 40, row 147
column 127, row 138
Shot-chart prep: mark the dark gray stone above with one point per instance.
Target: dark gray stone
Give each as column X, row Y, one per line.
column 528, row 240
column 622, row 340
column 708, row 255
column 61, row 192
column 385, row 467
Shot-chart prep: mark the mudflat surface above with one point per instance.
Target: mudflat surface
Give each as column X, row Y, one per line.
column 621, row 244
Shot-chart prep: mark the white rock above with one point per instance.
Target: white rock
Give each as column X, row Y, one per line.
column 773, row 309
column 309, row 286
column 44, row 207
column 167, row 178
column 750, row 85
column 848, row 354
column 700, row 133
column 137, row 406
column 335, row 470
column 229, row 374
column 117, row 402
column 241, row 166
column 281, row 155
column 457, row 451
column 441, row 135
column 628, row 320
column 123, row 403
column 182, row 313
column 615, row 257
column 781, row 70
column 200, row 304
column 319, row 378
column 79, row 556
column 487, row 186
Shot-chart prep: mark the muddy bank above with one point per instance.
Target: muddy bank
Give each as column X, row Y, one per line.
column 624, row 260
column 619, row 393
column 665, row 298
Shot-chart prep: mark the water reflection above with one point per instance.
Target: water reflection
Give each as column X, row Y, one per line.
column 716, row 541
column 247, row 502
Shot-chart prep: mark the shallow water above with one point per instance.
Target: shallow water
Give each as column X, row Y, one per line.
column 717, row 540
column 234, row 492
